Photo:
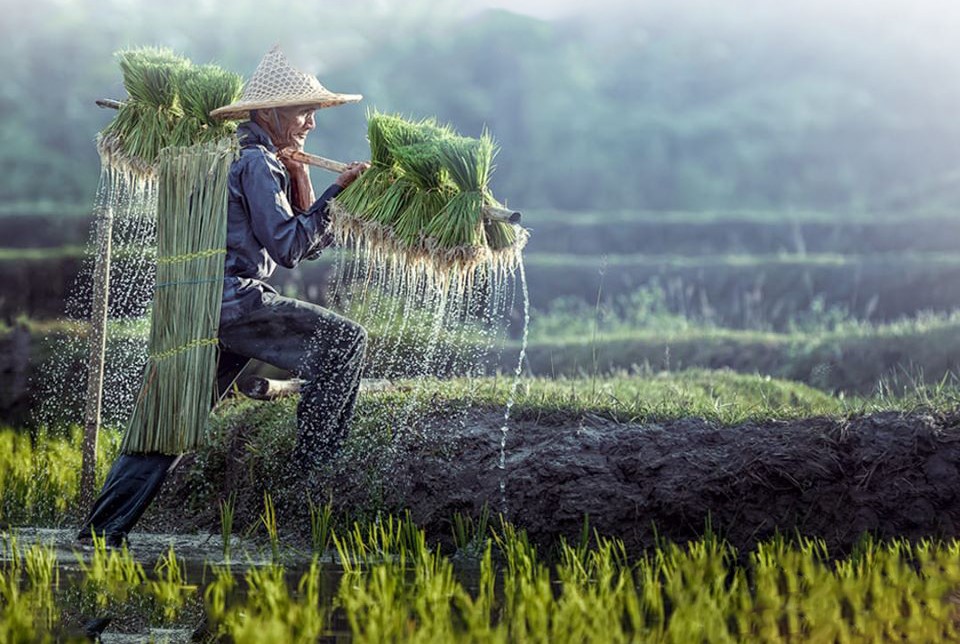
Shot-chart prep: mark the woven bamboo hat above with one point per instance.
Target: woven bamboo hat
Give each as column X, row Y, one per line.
column 276, row 83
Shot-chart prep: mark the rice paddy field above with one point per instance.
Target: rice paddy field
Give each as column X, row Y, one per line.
column 700, row 505
column 729, row 426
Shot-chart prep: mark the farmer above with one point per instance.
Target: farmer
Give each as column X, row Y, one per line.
column 272, row 218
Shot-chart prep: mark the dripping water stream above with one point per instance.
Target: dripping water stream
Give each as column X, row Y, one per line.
column 505, row 427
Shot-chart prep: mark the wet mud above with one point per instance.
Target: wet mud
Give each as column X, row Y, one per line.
column 888, row 475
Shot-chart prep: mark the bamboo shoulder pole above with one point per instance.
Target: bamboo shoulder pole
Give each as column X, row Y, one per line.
column 489, row 212
column 97, row 348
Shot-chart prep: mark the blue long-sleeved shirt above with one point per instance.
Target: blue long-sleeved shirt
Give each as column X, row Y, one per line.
column 263, row 229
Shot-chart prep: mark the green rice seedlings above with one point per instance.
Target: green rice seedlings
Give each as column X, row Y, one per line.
column 477, row 610
column 110, row 577
column 217, row 593
column 422, row 208
column 269, row 520
column 321, row 527
column 469, row 162
column 470, row 536
column 360, row 195
column 394, row 132
column 422, row 202
column 147, row 121
column 203, row 88
column 499, row 235
column 168, row 104
column 420, row 165
column 149, row 75
column 227, row 510
column 269, row 611
column 456, row 233
column 169, row 588
column 385, row 210
column 42, row 581
column 28, row 581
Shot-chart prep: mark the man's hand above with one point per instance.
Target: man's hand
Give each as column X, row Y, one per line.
column 353, row 171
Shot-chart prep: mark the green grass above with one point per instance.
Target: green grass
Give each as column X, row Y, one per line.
column 724, row 397
column 830, row 351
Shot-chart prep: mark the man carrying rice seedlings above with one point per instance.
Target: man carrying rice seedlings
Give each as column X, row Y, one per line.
column 272, row 218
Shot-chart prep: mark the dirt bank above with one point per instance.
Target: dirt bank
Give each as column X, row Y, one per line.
column 894, row 475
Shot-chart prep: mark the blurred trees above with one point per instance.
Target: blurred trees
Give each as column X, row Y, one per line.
column 656, row 108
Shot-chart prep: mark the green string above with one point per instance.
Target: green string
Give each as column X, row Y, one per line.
column 210, row 252
column 193, row 344
column 165, row 284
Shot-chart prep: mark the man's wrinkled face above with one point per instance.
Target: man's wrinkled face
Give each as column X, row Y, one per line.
column 296, row 123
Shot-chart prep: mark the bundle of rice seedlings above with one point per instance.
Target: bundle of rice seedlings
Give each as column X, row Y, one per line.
column 168, row 104
column 179, row 381
column 146, row 121
column 420, row 166
column 202, row 89
column 423, row 199
column 163, row 136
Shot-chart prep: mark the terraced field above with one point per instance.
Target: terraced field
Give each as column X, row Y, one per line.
column 745, row 375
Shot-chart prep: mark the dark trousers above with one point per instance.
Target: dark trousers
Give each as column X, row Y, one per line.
column 324, row 349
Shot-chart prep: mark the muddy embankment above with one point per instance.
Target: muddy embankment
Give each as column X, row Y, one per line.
column 891, row 475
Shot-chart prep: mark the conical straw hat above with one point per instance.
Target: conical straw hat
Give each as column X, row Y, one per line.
column 276, row 83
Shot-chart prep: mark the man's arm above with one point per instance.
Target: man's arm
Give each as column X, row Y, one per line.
column 287, row 236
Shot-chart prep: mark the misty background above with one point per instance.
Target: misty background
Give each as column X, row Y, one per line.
column 767, row 187
column 692, row 105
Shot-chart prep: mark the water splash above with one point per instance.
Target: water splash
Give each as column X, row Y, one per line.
column 427, row 322
column 505, row 428
column 62, row 384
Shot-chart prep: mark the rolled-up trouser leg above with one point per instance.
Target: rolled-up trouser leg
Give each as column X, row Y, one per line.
column 332, row 371
column 131, row 485
column 323, row 348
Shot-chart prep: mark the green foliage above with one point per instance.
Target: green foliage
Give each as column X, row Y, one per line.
column 675, row 593
column 321, row 527
column 39, row 474
column 202, row 89
column 469, row 535
column 112, row 577
column 28, row 581
column 268, row 518
column 227, row 511
column 270, row 611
